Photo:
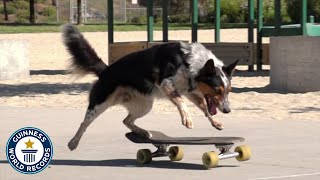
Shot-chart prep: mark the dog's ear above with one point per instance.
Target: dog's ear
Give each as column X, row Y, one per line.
column 229, row 70
column 208, row 68
column 185, row 48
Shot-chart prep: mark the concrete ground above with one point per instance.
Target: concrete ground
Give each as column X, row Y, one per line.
column 287, row 149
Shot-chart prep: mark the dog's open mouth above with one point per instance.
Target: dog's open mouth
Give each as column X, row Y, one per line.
column 212, row 107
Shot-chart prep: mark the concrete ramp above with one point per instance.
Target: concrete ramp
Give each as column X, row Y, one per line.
column 14, row 60
column 295, row 63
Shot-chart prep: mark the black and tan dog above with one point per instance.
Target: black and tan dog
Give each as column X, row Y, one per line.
column 134, row 81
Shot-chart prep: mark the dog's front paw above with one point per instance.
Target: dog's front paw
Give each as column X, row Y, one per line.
column 218, row 125
column 187, row 120
column 143, row 133
column 73, row 144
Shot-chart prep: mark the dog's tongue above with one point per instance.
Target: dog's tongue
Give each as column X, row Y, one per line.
column 212, row 106
column 213, row 109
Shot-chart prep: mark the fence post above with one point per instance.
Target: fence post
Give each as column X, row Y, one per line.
column 110, row 21
column 165, row 20
column 250, row 26
column 150, row 20
column 303, row 17
column 259, row 38
column 217, row 21
column 194, row 31
column 277, row 16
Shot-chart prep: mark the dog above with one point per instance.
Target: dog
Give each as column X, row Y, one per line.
column 135, row 80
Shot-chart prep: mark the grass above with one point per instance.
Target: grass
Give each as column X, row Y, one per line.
column 42, row 28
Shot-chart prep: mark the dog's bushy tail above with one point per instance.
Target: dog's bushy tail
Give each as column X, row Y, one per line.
column 84, row 59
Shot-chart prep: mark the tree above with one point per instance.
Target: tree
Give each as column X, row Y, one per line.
column 79, row 8
column 32, row 17
column 5, row 10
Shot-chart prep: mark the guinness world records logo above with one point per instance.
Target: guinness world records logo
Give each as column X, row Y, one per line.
column 29, row 150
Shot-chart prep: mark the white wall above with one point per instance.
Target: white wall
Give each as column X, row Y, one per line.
column 295, row 63
column 14, row 61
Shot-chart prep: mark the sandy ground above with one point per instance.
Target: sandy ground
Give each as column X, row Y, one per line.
column 50, row 86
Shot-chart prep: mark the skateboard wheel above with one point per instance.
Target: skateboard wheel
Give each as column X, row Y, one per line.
column 176, row 153
column 144, row 156
column 244, row 153
column 210, row 159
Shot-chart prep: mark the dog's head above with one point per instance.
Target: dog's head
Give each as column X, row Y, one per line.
column 215, row 84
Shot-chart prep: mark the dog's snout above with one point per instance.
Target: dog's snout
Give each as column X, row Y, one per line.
column 226, row 110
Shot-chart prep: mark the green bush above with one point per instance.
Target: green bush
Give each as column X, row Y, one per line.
column 179, row 18
column 20, row 4
column 39, row 1
column 52, row 18
column 268, row 13
column 158, row 20
column 138, row 20
column 22, row 16
column 233, row 10
column 48, row 11
column 224, row 19
column 10, row 9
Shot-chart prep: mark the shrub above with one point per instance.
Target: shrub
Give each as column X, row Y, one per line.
column 268, row 13
column 20, row 4
column 22, row 16
column 48, row 11
column 138, row 20
column 233, row 10
column 39, row 1
column 179, row 18
column 10, row 9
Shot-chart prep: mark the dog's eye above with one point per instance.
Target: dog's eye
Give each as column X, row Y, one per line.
column 217, row 90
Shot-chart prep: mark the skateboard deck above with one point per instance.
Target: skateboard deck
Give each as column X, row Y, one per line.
column 160, row 138
column 175, row 153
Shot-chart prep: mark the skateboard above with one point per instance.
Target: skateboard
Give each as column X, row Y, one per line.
column 209, row 159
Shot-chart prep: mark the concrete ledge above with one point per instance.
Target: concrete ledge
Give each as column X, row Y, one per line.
column 295, row 63
column 14, row 60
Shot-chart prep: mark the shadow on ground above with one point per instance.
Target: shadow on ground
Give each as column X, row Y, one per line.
column 48, row 72
column 264, row 89
column 304, row 110
column 246, row 73
column 126, row 163
column 7, row 90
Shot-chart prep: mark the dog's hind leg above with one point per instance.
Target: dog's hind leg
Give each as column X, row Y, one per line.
column 90, row 116
column 202, row 105
column 138, row 106
column 102, row 96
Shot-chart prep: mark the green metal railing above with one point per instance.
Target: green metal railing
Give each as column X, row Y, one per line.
column 277, row 30
column 217, row 8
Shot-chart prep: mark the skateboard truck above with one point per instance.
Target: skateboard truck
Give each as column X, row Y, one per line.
column 225, row 152
column 161, row 150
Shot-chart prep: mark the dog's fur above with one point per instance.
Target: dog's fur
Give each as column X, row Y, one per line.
column 169, row 70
